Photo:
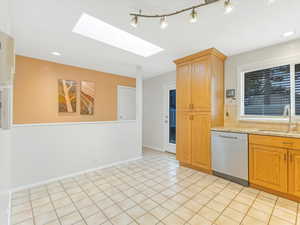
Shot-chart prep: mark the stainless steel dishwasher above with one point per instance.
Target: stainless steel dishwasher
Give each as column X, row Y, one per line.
column 230, row 156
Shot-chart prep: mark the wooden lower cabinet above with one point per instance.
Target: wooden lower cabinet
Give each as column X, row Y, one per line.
column 193, row 139
column 200, row 141
column 268, row 167
column 183, row 137
column 274, row 165
column 294, row 172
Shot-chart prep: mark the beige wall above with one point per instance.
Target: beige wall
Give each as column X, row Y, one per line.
column 36, row 92
column 246, row 60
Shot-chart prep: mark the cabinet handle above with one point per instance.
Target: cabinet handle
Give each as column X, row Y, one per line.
column 191, row 106
column 191, row 117
column 287, row 143
column 229, row 137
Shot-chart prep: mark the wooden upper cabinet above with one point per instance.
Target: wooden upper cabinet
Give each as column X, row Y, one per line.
column 201, row 85
column 294, row 172
column 183, row 137
column 268, row 166
column 183, row 87
column 200, row 140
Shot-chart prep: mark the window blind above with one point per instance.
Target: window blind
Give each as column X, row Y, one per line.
column 297, row 89
column 267, row 91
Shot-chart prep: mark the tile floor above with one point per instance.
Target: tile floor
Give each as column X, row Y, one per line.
column 153, row 190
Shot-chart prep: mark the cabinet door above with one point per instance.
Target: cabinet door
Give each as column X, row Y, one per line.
column 201, row 90
column 294, row 172
column 183, row 137
column 268, row 167
column 201, row 155
column 183, row 87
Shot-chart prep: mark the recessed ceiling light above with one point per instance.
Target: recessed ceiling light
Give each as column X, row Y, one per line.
column 288, row 34
column 98, row 30
column 55, row 53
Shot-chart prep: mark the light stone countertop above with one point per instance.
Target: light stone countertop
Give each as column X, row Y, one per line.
column 292, row 134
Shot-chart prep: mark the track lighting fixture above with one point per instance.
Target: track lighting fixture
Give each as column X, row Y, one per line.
column 228, row 6
column 193, row 16
column 134, row 21
column 163, row 22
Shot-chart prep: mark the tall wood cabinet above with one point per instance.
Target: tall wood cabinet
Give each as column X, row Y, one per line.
column 200, row 105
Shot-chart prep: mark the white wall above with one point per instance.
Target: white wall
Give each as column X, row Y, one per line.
column 5, row 16
column 42, row 152
column 139, row 106
column 4, row 134
column 261, row 56
column 153, row 110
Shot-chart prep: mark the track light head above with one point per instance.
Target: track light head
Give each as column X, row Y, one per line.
column 228, row 6
column 134, row 21
column 193, row 16
column 163, row 22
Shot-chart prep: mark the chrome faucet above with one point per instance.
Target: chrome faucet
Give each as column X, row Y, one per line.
column 287, row 112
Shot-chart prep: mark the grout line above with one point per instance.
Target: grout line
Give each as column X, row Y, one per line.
column 33, row 215
column 251, row 206
column 73, row 203
column 228, row 204
column 53, row 205
column 273, row 210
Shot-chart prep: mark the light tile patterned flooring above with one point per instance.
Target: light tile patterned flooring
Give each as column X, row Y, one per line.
column 153, row 190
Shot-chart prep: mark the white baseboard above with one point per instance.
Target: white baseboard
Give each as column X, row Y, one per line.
column 72, row 175
column 154, row 148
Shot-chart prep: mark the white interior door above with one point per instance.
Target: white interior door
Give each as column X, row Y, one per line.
column 126, row 103
column 170, row 117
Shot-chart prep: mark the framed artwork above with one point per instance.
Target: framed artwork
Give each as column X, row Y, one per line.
column 67, row 96
column 87, row 97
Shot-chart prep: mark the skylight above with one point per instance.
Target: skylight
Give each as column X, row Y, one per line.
column 98, row 30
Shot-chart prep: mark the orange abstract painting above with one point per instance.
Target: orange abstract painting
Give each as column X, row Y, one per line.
column 67, row 96
column 87, row 97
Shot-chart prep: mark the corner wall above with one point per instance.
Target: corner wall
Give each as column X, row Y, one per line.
column 5, row 26
column 153, row 110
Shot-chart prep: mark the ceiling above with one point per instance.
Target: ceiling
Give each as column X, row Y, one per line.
column 42, row 27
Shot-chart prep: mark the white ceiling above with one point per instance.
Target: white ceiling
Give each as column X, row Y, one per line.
column 43, row 26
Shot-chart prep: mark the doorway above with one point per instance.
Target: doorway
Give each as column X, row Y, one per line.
column 170, row 118
column 126, row 103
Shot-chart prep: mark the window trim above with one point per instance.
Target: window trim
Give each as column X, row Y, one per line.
column 292, row 61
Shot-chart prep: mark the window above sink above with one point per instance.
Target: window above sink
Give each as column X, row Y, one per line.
column 266, row 91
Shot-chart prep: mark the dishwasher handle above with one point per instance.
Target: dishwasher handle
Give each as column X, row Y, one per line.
column 228, row 137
